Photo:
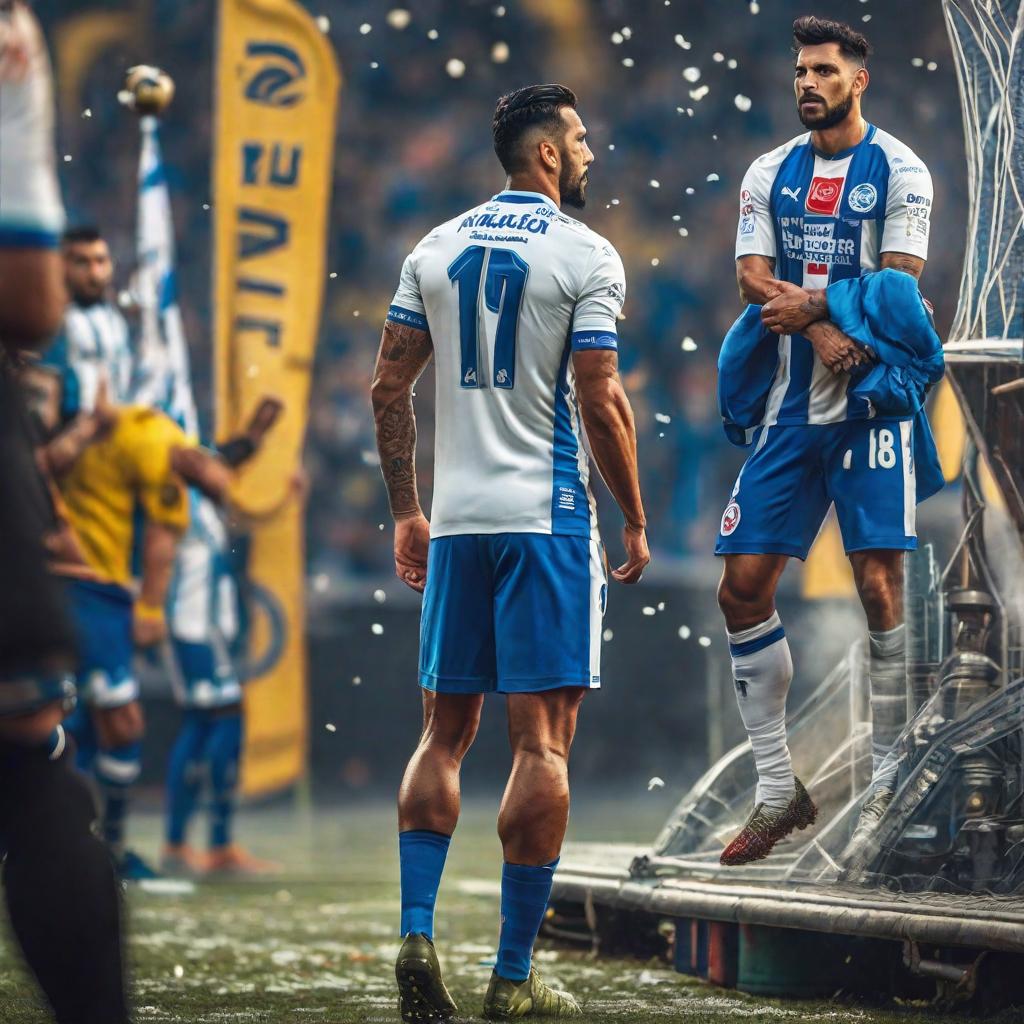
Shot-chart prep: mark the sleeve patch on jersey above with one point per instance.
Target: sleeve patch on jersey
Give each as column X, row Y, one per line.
column 585, row 340
column 27, row 238
column 401, row 315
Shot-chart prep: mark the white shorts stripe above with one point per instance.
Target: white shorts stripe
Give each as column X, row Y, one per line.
column 909, row 480
column 598, row 597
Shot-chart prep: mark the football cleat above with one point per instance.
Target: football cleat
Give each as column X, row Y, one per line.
column 766, row 826
column 422, row 997
column 862, row 845
column 509, row 1000
column 130, row 867
column 181, row 861
column 235, row 861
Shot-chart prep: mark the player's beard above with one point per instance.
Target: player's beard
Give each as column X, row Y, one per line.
column 572, row 189
column 830, row 118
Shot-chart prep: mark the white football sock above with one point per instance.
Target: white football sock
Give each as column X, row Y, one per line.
column 762, row 670
column 887, row 674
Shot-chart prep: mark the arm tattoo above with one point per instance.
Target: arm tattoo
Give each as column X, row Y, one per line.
column 816, row 305
column 912, row 265
column 404, row 352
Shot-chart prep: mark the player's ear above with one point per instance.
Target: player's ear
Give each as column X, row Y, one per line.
column 860, row 80
column 549, row 154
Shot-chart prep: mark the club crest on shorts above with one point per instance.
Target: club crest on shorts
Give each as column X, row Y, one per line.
column 730, row 518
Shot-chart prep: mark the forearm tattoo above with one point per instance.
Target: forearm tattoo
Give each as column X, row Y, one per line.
column 404, row 352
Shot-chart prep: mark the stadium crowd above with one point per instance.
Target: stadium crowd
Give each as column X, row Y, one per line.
column 679, row 99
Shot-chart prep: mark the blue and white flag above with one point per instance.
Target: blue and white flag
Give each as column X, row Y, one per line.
column 163, row 377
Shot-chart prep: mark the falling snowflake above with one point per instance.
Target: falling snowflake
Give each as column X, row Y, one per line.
column 704, row 641
column 655, row 783
column 712, row 177
column 684, row 632
column 649, row 610
column 331, row 727
column 691, row 74
column 499, row 53
column 742, row 102
column 379, row 596
column 399, row 18
column 455, row 68
column 700, row 92
column 683, row 42
column 689, row 345
column 607, row 635
column 655, row 183
column 324, row 24
column 365, row 29
column 376, row 629
column 663, row 417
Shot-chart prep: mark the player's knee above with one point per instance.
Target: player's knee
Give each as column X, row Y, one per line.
column 881, row 598
column 743, row 601
column 120, row 726
column 452, row 736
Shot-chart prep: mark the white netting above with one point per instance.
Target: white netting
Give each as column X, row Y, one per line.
column 986, row 40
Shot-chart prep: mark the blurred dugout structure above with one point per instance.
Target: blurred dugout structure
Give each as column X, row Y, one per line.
column 944, row 867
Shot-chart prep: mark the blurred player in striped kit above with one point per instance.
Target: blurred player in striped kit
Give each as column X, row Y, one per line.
column 203, row 616
column 59, row 885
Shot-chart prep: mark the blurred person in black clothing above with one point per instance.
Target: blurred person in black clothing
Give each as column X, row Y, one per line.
column 58, row 879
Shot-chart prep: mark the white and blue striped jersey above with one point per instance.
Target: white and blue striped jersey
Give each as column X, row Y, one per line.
column 823, row 219
column 93, row 344
column 202, row 603
column 509, row 290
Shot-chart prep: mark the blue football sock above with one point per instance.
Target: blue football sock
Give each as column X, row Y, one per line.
column 116, row 771
column 185, row 775
column 525, row 889
column 79, row 726
column 421, row 855
column 223, row 751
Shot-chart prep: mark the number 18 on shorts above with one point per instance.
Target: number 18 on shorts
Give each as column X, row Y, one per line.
column 795, row 473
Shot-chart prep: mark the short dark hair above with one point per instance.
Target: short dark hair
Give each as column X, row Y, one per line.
column 812, row 31
column 519, row 111
column 82, row 233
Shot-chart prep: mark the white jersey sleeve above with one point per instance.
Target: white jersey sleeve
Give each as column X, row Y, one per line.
column 31, row 211
column 599, row 304
column 755, row 235
column 407, row 306
column 908, row 209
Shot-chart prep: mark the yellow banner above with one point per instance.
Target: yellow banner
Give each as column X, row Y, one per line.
column 276, row 83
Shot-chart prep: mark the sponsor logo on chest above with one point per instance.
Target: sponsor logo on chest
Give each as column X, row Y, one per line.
column 823, row 196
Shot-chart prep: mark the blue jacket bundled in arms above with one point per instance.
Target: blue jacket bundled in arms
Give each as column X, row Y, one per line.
column 885, row 312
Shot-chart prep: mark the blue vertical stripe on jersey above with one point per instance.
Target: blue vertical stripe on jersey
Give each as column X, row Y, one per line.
column 570, row 506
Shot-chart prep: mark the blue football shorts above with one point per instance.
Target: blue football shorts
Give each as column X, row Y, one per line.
column 203, row 674
column 785, row 488
column 102, row 615
column 512, row 613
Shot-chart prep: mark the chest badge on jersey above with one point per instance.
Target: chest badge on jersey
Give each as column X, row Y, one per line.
column 824, row 195
column 862, row 198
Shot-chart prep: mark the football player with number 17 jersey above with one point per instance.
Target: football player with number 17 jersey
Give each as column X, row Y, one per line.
column 518, row 306
column 841, row 200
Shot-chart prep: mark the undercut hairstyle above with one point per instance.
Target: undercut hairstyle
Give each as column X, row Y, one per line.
column 812, row 31
column 82, row 233
column 517, row 113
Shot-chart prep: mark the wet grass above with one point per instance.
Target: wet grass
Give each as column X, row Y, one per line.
column 318, row 943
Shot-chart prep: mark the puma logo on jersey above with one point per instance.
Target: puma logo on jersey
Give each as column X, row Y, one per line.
column 793, row 194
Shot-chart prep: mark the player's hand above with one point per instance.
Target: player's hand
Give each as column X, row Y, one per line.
column 634, row 540
column 837, row 351
column 792, row 309
column 105, row 413
column 148, row 630
column 412, row 544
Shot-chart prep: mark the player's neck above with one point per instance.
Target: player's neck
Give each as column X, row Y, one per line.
column 844, row 135
column 529, row 183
